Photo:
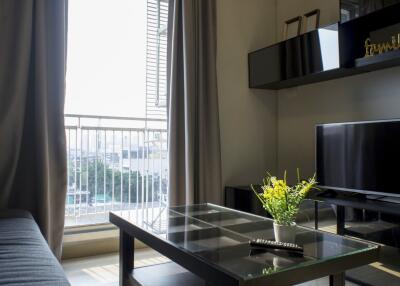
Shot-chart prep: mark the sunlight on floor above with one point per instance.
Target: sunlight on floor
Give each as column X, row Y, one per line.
column 107, row 273
column 104, row 270
column 103, row 274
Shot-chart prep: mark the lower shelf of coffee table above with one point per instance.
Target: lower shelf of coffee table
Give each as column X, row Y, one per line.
column 165, row 274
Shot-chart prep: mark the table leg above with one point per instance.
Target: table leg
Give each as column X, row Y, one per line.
column 337, row 279
column 316, row 215
column 126, row 256
column 340, row 216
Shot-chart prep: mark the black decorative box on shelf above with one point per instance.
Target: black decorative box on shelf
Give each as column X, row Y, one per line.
column 354, row 34
column 364, row 44
column 299, row 60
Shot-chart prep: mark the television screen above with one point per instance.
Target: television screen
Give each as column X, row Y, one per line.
column 359, row 157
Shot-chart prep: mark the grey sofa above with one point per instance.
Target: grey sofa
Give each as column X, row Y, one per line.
column 25, row 258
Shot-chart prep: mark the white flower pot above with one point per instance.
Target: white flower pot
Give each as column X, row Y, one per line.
column 285, row 233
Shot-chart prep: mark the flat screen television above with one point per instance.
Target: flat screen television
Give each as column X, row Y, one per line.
column 359, row 157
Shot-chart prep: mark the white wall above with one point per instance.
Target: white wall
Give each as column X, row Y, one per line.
column 247, row 117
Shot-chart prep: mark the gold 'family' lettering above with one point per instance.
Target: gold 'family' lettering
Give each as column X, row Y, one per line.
column 380, row 48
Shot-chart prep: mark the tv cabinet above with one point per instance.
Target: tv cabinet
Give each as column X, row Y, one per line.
column 344, row 200
column 375, row 220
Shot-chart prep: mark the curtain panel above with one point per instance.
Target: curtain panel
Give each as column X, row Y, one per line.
column 33, row 173
column 193, row 121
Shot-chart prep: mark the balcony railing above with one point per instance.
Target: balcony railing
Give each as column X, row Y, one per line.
column 114, row 163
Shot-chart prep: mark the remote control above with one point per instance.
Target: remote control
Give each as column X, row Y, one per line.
column 263, row 243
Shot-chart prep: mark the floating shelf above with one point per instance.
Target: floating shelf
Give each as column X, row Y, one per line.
column 327, row 53
column 381, row 61
column 307, row 79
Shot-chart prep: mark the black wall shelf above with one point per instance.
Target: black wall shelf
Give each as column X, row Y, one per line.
column 304, row 60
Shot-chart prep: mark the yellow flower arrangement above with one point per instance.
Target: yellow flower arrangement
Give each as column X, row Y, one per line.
column 281, row 201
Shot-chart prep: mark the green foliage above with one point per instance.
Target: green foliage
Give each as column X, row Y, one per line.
column 112, row 190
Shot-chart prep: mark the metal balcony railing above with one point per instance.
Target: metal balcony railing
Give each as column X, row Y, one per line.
column 114, row 163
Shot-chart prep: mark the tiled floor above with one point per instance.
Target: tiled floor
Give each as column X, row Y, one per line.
column 103, row 270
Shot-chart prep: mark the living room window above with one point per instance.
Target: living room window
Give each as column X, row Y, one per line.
column 115, row 110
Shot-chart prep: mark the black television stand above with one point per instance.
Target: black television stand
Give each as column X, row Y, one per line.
column 329, row 194
column 388, row 199
column 345, row 200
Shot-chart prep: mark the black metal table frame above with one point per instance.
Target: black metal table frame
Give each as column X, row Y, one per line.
column 214, row 275
column 341, row 204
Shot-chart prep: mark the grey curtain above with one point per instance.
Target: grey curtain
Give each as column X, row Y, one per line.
column 32, row 137
column 193, row 122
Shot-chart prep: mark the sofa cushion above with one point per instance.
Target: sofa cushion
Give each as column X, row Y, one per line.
column 25, row 258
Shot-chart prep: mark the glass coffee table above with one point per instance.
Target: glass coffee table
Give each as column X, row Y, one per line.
column 209, row 245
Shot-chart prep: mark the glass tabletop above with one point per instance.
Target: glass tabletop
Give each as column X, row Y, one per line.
column 220, row 236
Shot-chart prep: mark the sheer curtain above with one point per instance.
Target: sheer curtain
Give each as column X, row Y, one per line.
column 32, row 137
column 193, row 122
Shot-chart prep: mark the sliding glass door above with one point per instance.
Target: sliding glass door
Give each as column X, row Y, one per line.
column 115, row 111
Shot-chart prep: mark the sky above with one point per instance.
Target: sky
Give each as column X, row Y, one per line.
column 106, row 60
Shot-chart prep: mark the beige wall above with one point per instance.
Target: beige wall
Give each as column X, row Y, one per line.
column 364, row 97
column 288, row 9
column 266, row 130
column 247, row 117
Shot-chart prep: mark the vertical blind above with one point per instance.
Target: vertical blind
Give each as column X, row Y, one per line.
column 156, row 59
